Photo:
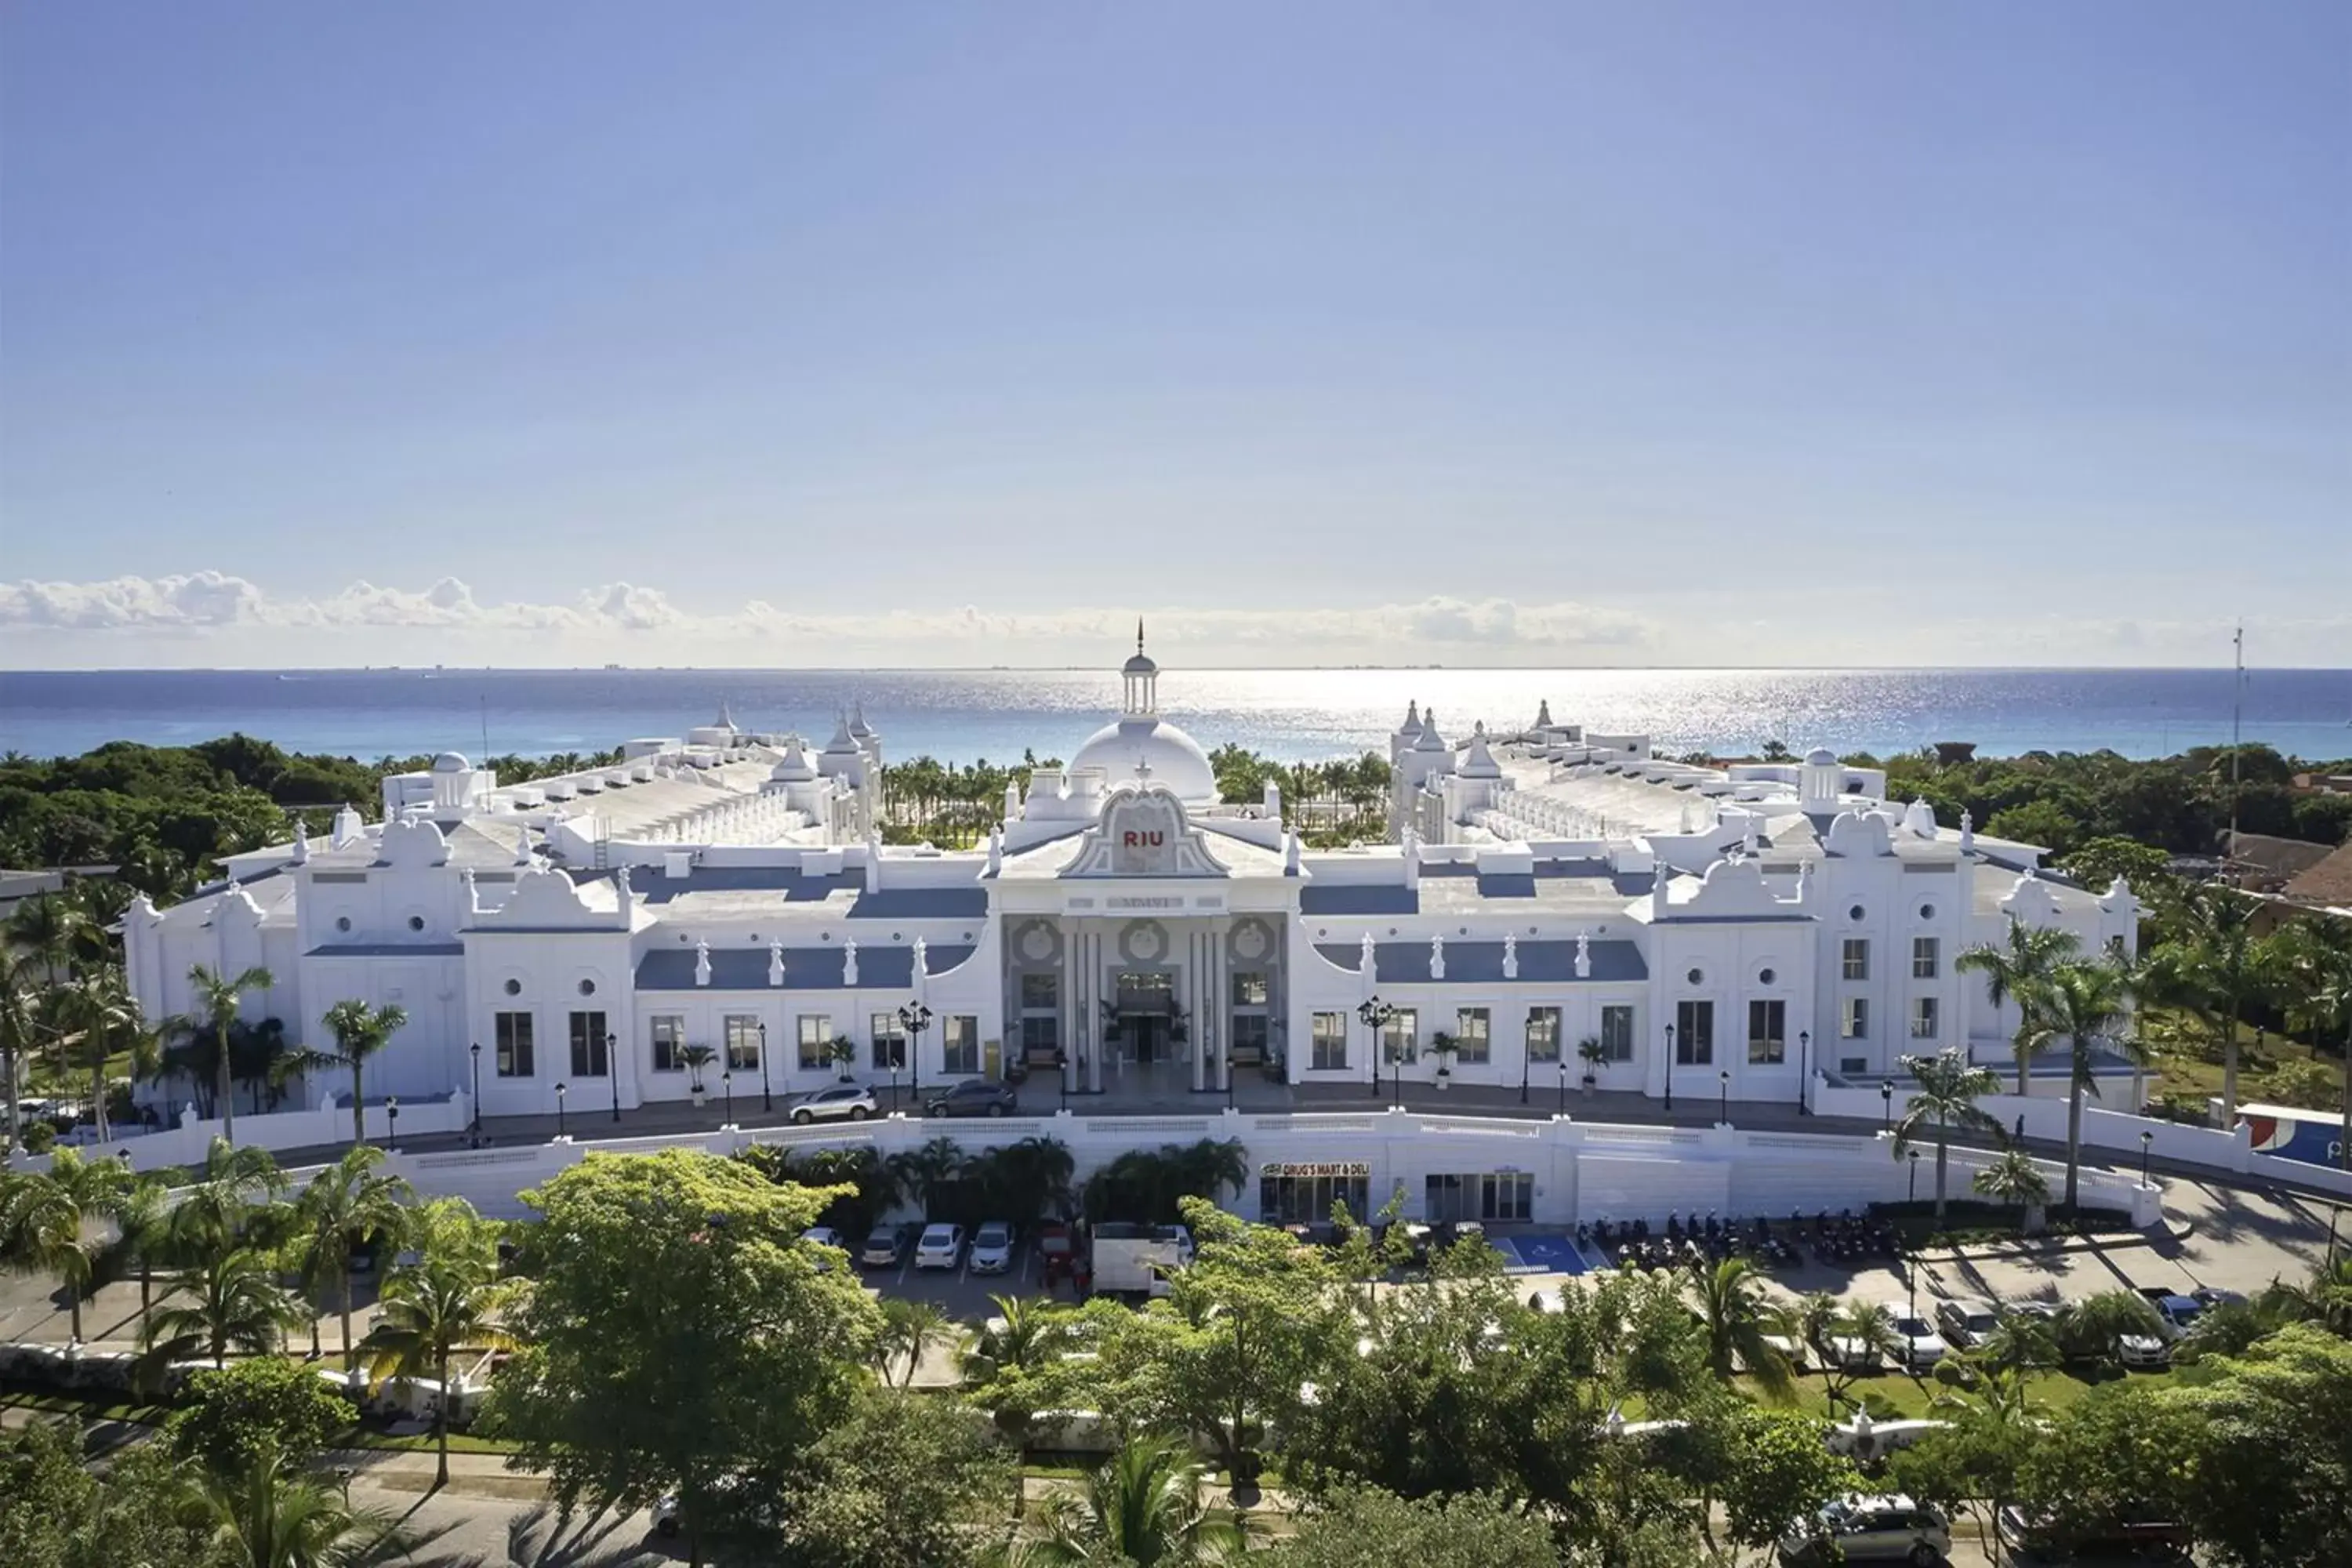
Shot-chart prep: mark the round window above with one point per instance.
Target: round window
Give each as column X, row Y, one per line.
column 1855, row 913
column 1764, row 977
column 342, row 923
column 514, row 987
column 587, row 988
column 1698, row 976
column 1927, row 912
column 416, row 923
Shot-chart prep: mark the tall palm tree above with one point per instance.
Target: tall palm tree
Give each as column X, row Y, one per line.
column 232, row 1302
column 48, row 927
column 2205, row 967
column 233, row 1202
column 926, row 1173
column 1738, row 1317
column 359, row 1032
column 1949, row 1087
column 347, row 1204
column 103, row 1018
column 453, row 1301
column 2084, row 1006
column 219, row 1000
column 21, row 992
column 2012, row 1177
column 2017, row 968
column 1145, row 1506
column 2326, row 1298
column 1034, row 1329
column 272, row 1515
column 908, row 1329
column 46, row 1220
column 142, row 1227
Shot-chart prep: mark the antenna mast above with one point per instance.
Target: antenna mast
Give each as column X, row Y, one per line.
column 2237, row 727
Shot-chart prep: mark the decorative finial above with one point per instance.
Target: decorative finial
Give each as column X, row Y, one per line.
column 1138, row 633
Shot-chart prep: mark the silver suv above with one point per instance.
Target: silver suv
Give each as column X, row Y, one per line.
column 1864, row 1529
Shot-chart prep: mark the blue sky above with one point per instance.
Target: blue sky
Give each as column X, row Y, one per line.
column 1526, row 334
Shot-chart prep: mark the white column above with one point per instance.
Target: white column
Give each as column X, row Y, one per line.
column 1068, row 1028
column 1195, row 961
column 1093, row 980
column 1222, row 997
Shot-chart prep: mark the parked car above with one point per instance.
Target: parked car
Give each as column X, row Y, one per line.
column 2033, row 1541
column 885, row 1247
column 974, row 1096
column 1865, row 1528
column 2144, row 1353
column 941, row 1247
column 849, row 1102
column 1918, row 1344
column 1966, row 1321
column 824, row 1236
column 2210, row 1296
column 991, row 1248
column 2177, row 1313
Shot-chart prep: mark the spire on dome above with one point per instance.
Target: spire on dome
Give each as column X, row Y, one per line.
column 1138, row 633
column 1142, row 678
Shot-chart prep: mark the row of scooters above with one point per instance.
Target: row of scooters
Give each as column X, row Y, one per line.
column 1840, row 1238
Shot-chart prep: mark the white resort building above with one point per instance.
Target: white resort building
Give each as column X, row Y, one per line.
column 1551, row 902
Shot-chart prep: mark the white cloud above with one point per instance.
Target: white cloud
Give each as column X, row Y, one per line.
column 198, row 600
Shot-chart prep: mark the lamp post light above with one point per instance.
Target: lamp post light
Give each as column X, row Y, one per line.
column 1886, row 1104
column 1723, row 1099
column 613, row 1072
column 767, row 1099
column 391, row 1124
column 1061, row 1075
column 727, row 1085
column 1563, row 1084
column 477, row 1052
column 1670, row 1068
column 1911, row 1266
column 1376, row 1015
column 559, row 1108
column 2147, row 1142
column 1526, row 1065
column 914, row 1017
column 1805, row 1067
column 1915, row 1176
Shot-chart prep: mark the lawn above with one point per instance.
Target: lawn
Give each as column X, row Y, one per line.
column 1892, row 1395
column 2188, row 1078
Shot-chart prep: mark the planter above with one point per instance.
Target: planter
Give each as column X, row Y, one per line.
column 1444, row 1078
column 1590, row 1083
column 697, row 1094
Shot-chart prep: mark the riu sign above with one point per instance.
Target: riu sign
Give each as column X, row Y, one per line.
column 1144, row 833
column 1143, row 838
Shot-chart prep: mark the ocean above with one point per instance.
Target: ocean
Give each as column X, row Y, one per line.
column 1292, row 714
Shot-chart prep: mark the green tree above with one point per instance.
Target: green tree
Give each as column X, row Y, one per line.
column 360, row 1031
column 1739, row 1321
column 1773, row 1469
column 1949, row 1087
column 233, row 1202
column 268, row 1514
column 57, row 1513
column 909, row 1330
column 219, row 999
column 264, row 1404
column 347, row 1205
column 21, row 990
column 451, row 1299
column 2087, row 1329
column 2204, row 967
column 2274, row 1463
column 50, row 1222
column 1978, row 1459
column 672, row 1286
column 2019, row 970
column 2012, row 1177
column 101, row 1019
column 231, row 1302
column 1364, row 1527
column 2085, row 1006
column 1146, row 1506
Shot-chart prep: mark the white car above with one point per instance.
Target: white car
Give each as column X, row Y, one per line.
column 940, row 1247
column 1965, row 1321
column 2146, row 1353
column 1918, row 1344
column 842, row 1102
column 991, row 1248
column 823, row 1236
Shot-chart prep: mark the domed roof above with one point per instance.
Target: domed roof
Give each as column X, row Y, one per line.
column 1822, row 757
column 451, row 763
column 1171, row 757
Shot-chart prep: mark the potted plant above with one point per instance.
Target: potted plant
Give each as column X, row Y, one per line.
column 842, row 1052
column 697, row 1058
column 1444, row 1046
column 1590, row 1049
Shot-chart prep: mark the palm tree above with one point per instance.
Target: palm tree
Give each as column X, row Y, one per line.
column 359, row 1032
column 1207, row 1168
column 2018, row 968
column 1949, row 1085
column 48, row 927
column 218, row 1001
column 1738, row 1317
column 105, row 1017
column 908, row 1329
column 1144, row 1507
column 271, row 1515
column 2021, row 1341
column 2084, row 1006
column 453, row 1301
column 345, row 1206
column 233, row 1202
column 2087, row 1329
column 925, row 1173
column 143, row 1232
column 2012, row 1177
column 20, row 1027
column 46, row 1218
column 2326, row 1298
column 232, row 1302
column 1033, row 1331
column 2204, row 968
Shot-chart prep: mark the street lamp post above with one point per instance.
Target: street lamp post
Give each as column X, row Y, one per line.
column 1525, row 1065
column 558, row 1109
column 1061, row 1075
column 613, row 1072
column 391, row 1124
column 914, row 1017
column 1723, row 1099
column 2147, row 1142
column 1915, row 1176
column 1911, row 1267
column 727, row 1083
column 1563, row 1084
column 477, row 1051
column 1669, row 1068
column 1376, row 1015
column 1886, row 1105
column 1805, row 1067
column 767, row 1100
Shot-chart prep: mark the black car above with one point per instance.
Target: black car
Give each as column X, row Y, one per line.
column 974, row 1096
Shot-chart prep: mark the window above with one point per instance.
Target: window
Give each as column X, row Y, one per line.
column 1768, row 1031
column 1693, row 1032
column 514, row 987
column 1443, row 1198
column 1506, row 1196
column 589, row 1056
column 1249, row 991
column 1925, row 953
column 1040, row 991
column 890, row 1043
column 815, row 1039
column 1854, row 1018
column 1249, row 988
column 1543, row 1034
column 1041, row 1015
column 960, row 1043
column 514, row 1045
column 669, row 1043
column 1399, row 1038
column 1617, row 1033
column 1470, row 1035
column 1923, row 1017
column 1330, row 1047
column 1857, row 958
